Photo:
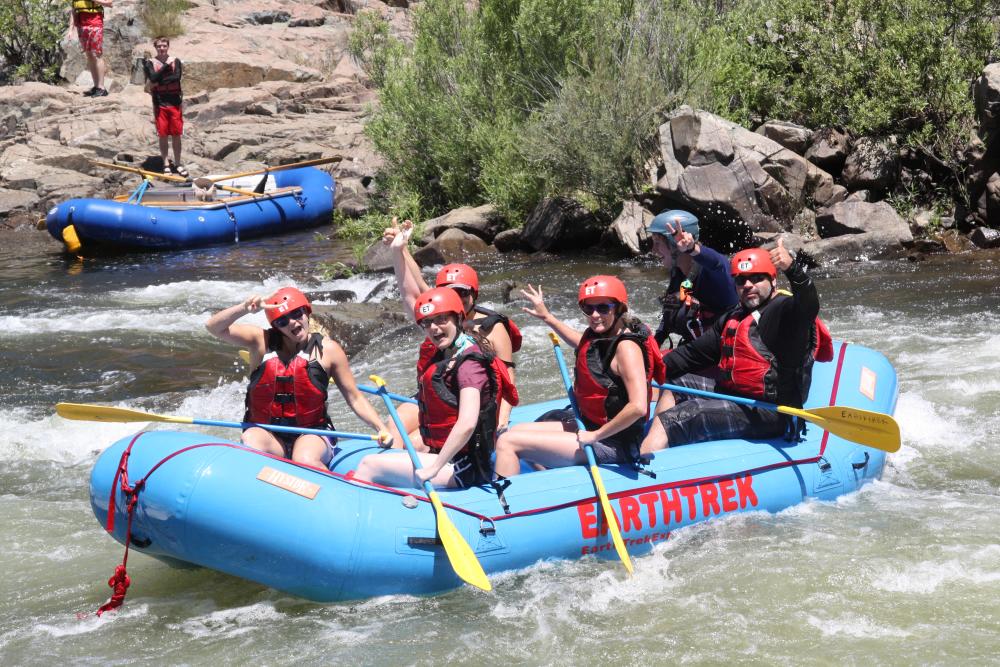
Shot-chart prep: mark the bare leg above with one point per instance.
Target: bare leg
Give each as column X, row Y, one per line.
column 176, row 141
column 263, row 440
column 311, row 450
column 410, row 417
column 163, row 150
column 546, row 443
column 396, row 469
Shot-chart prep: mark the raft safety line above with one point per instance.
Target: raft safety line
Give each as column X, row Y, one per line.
column 120, row 581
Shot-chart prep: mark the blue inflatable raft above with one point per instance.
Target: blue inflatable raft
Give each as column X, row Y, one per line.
column 168, row 217
column 325, row 536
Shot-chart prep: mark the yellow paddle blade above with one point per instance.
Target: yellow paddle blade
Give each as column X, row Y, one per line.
column 611, row 519
column 101, row 413
column 245, row 356
column 463, row 559
column 865, row 427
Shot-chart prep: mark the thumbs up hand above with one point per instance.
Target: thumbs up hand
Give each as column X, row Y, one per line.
column 780, row 257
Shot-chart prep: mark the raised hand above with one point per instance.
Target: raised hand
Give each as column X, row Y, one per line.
column 538, row 308
column 254, row 303
column 780, row 257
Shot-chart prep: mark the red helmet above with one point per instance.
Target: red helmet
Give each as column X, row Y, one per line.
column 436, row 301
column 458, row 275
column 286, row 299
column 606, row 286
column 753, row 260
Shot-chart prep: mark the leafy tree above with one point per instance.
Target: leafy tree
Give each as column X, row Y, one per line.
column 30, row 31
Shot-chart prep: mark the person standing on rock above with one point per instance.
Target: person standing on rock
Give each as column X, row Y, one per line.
column 87, row 24
column 163, row 82
column 292, row 371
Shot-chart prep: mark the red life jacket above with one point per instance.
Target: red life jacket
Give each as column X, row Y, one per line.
column 290, row 395
column 437, row 395
column 173, row 87
column 600, row 393
column 748, row 368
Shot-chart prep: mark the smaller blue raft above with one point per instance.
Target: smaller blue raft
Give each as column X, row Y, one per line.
column 167, row 217
column 324, row 536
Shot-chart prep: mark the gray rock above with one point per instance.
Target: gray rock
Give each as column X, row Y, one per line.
column 985, row 237
column 310, row 22
column 16, row 200
column 872, row 165
column 856, row 218
column 483, row 221
column 268, row 17
column 829, row 149
column 560, row 223
column 793, row 137
column 508, row 240
column 628, row 231
column 378, row 257
column 453, row 245
column 986, row 92
column 356, row 325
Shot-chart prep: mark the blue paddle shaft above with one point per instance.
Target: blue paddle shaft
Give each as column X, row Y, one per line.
column 286, row 429
column 587, row 449
column 725, row 397
column 387, row 399
column 395, row 397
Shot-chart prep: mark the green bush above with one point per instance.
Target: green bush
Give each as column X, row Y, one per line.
column 30, row 32
column 875, row 68
column 162, row 18
column 522, row 98
column 511, row 100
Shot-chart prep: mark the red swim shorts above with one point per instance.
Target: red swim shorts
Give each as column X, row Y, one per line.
column 90, row 31
column 169, row 121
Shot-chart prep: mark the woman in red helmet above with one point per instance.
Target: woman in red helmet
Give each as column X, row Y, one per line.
column 763, row 349
column 616, row 358
column 458, row 388
column 504, row 340
column 292, row 371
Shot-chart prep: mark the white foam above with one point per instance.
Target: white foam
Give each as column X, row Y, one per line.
column 854, row 625
column 230, row 622
column 928, row 576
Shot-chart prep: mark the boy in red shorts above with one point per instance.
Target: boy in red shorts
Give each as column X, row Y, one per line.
column 87, row 24
column 163, row 76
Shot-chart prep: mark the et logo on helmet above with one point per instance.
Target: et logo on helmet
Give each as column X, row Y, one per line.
column 426, row 309
column 589, row 290
column 745, row 265
column 451, row 276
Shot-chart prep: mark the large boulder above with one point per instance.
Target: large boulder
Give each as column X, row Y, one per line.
column 453, row 245
column 628, row 231
column 483, row 221
column 829, row 149
column 356, row 325
column 856, row 230
column 793, row 137
column 560, row 223
column 986, row 92
column 872, row 165
column 728, row 174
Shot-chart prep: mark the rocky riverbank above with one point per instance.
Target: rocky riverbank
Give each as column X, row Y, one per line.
column 273, row 83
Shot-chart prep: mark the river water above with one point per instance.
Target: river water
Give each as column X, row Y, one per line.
column 905, row 571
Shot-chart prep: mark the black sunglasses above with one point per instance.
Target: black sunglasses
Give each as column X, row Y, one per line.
column 282, row 321
column 752, row 277
column 462, row 291
column 600, row 308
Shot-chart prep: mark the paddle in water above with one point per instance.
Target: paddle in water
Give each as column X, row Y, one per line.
column 461, row 556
